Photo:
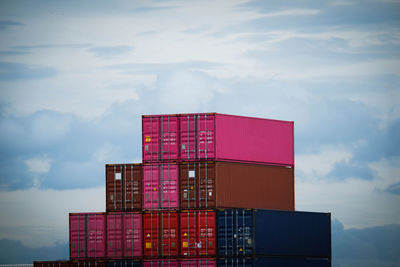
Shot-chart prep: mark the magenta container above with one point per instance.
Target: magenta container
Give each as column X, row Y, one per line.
column 198, row 262
column 213, row 136
column 124, row 235
column 160, row 136
column 87, row 235
column 160, row 186
column 160, row 263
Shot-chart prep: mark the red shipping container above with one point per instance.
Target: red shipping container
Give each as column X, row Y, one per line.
column 124, row 235
column 213, row 136
column 123, row 187
column 198, row 233
column 160, row 234
column 160, row 263
column 160, row 186
column 198, row 262
column 87, row 235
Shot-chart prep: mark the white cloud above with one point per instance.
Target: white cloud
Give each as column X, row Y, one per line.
column 40, row 217
column 356, row 203
column 38, row 164
column 293, row 12
column 320, row 164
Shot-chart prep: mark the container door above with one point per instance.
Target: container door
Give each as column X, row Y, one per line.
column 114, row 188
column 133, row 187
column 151, row 234
column 95, row 236
column 169, row 234
column 188, row 137
column 206, row 236
column 114, row 235
column 188, row 233
column 160, row 263
column 196, row 262
column 235, row 233
column 169, row 138
column 205, row 136
column 197, row 136
column 197, row 185
column 151, row 138
column 133, row 235
column 151, row 186
column 234, row 262
column 244, row 232
column 197, row 233
column 225, row 228
column 169, row 186
column 78, row 237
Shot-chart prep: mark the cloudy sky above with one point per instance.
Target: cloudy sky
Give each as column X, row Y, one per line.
column 76, row 76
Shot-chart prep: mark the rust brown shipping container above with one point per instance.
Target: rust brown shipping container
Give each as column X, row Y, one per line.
column 219, row 184
column 123, row 187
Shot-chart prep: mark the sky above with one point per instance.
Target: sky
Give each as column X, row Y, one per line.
column 76, row 76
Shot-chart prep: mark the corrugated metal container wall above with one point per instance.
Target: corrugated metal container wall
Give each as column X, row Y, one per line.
column 275, row 262
column 87, row 235
column 240, row 185
column 51, row 264
column 160, row 138
column 124, row 235
column 213, row 136
column 273, row 233
column 160, row 186
column 123, row 187
column 160, row 263
column 198, row 262
column 88, row 263
column 235, row 262
column 197, row 233
column 235, row 233
column 124, row 263
column 292, row 233
column 160, row 234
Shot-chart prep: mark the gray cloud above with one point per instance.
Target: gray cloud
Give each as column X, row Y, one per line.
column 8, row 23
column 110, row 51
column 394, row 188
column 146, row 9
column 44, row 46
column 15, row 252
column 16, row 72
column 375, row 246
column 14, row 53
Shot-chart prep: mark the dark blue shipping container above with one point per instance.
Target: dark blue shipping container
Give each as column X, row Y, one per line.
column 275, row 262
column 243, row 232
column 123, row 263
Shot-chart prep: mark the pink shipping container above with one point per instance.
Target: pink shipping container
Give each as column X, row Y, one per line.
column 198, row 262
column 213, row 136
column 160, row 263
column 124, row 235
column 87, row 235
column 160, row 186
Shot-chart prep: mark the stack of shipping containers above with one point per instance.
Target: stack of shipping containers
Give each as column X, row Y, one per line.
column 213, row 190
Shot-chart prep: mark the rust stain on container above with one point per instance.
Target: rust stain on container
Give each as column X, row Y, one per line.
column 219, row 184
column 123, row 187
